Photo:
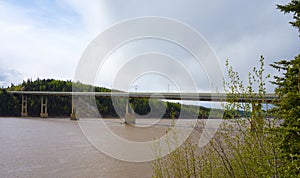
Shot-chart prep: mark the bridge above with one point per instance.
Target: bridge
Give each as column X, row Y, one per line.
column 213, row 97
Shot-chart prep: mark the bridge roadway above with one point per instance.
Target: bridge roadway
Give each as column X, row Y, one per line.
column 218, row 97
column 213, row 97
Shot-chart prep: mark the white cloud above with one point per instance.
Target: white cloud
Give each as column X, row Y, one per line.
column 40, row 43
column 9, row 75
column 238, row 30
column 48, row 43
column 93, row 13
column 37, row 50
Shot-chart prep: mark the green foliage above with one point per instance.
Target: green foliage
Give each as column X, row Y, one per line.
column 179, row 163
column 237, row 150
column 250, row 144
column 9, row 105
column 255, row 89
column 255, row 146
column 288, row 109
column 292, row 7
column 59, row 106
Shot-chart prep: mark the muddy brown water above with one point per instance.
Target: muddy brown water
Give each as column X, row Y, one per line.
column 34, row 147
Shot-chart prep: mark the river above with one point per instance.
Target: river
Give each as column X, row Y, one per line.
column 35, row 147
column 54, row 147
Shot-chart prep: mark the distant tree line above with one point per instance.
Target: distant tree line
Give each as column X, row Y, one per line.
column 60, row 106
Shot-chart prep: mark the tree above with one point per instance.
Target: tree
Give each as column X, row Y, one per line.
column 288, row 89
column 236, row 150
column 292, row 7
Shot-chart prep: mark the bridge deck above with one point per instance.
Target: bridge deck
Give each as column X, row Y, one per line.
column 218, row 97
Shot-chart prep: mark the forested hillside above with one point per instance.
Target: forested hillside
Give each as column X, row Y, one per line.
column 59, row 106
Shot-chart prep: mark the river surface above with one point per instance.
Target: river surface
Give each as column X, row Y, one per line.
column 34, row 147
column 52, row 147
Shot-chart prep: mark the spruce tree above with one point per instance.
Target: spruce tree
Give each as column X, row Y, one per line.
column 288, row 89
column 292, row 7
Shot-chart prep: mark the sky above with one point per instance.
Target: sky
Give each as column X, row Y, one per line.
column 46, row 38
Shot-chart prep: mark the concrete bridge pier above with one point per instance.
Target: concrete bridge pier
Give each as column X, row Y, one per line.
column 73, row 112
column 24, row 106
column 44, row 103
column 129, row 117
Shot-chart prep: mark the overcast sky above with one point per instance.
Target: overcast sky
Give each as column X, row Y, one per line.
column 46, row 38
